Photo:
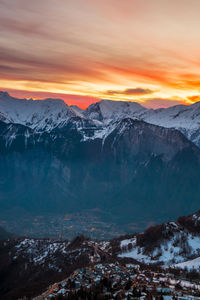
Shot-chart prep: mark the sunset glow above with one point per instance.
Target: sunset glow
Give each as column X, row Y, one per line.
column 86, row 50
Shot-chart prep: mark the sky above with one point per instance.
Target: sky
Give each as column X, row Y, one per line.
column 86, row 50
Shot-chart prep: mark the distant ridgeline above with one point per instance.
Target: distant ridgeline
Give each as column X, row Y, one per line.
column 133, row 163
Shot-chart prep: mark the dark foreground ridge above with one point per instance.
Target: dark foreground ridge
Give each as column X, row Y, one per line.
column 164, row 260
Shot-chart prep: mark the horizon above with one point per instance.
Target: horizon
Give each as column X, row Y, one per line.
column 146, row 52
column 68, row 102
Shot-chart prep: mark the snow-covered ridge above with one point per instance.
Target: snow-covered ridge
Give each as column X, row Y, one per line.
column 179, row 116
column 40, row 251
column 189, row 265
column 45, row 115
column 175, row 244
column 48, row 253
column 36, row 114
column 107, row 111
column 185, row 118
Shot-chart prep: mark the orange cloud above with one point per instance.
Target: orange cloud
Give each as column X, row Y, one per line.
column 130, row 91
column 88, row 49
column 193, row 99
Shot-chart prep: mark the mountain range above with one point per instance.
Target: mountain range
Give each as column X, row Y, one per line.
column 131, row 162
column 49, row 114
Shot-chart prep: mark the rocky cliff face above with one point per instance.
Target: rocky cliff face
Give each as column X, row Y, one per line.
column 148, row 168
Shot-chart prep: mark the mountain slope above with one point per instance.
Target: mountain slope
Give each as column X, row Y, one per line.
column 172, row 244
column 140, row 164
column 185, row 118
column 41, row 262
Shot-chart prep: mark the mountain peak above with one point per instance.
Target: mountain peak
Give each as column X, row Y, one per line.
column 4, row 95
column 107, row 111
column 37, row 114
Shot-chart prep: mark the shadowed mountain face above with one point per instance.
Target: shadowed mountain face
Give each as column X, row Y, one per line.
column 138, row 171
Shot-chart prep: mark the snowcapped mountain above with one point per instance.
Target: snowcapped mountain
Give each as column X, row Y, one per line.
column 185, row 118
column 141, row 137
column 174, row 244
column 49, row 114
column 39, row 115
column 179, row 116
column 107, row 111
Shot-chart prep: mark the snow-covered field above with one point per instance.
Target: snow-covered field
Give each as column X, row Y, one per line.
column 176, row 250
column 190, row 264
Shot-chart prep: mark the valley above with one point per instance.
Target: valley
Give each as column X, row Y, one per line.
column 67, row 226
